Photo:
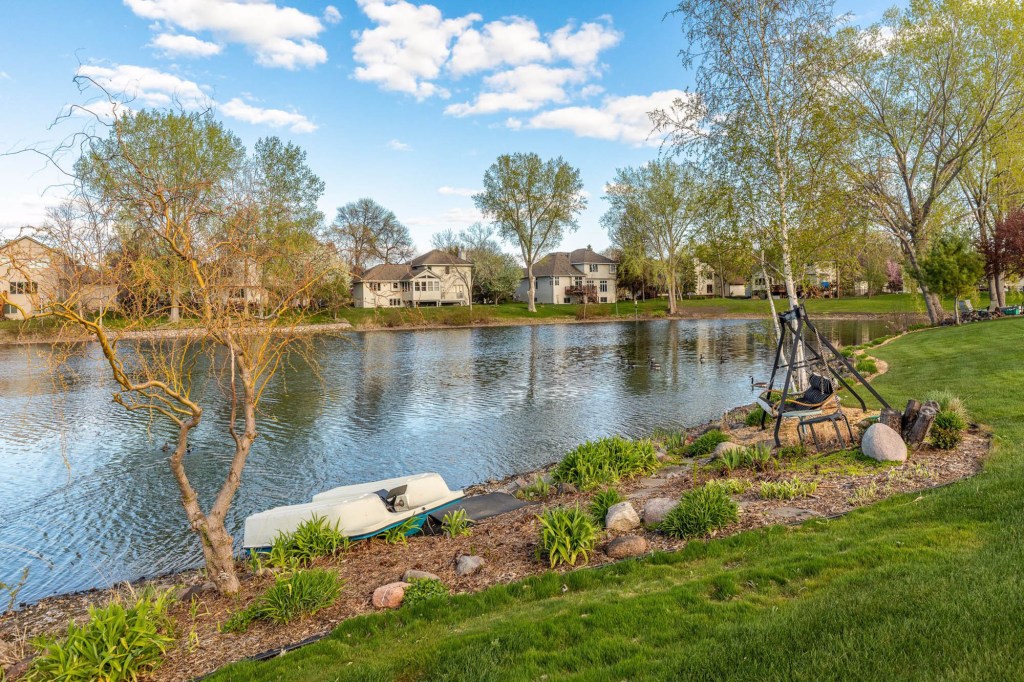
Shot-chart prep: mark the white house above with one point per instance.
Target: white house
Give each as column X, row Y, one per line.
column 568, row 277
column 436, row 278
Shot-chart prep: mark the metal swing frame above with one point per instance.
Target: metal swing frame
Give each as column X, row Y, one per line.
column 795, row 339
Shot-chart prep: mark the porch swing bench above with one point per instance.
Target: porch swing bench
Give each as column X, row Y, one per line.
column 819, row 404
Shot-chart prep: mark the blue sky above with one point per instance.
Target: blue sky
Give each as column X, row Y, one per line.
column 404, row 102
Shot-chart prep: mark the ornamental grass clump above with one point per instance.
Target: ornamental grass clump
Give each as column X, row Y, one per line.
column 602, row 502
column 706, row 444
column 455, row 523
column 786, row 490
column 312, row 539
column 754, row 417
column 605, row 462
column 567, row 535
column 701, row 511
column 293, row 595
column 117, row 643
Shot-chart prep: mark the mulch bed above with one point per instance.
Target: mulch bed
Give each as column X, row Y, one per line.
column 508, row 544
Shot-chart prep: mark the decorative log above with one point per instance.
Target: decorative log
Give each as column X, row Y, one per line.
column 923, row 423
column 891, row 418
column 909, row 417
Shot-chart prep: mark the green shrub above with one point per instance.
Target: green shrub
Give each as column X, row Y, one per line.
column 867, row 365
column 731, row 460
column 538, row 490
column 759, row 457
column 455, row 523
column 786, row 490
column 399, row 535
column 601, row 502
column 424, row 589
column 753, row 417
column 568, row 534
column 848, row 351
column 673, row 441
column 116, row 643
column 605, row 461
column 700, row 512
column 313, row 538
column 706, row 444
column 947, row 430
column 301, row 593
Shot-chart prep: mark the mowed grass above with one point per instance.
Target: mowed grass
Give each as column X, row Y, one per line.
column 923, row 586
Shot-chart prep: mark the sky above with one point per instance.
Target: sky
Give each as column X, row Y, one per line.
column 405, row 102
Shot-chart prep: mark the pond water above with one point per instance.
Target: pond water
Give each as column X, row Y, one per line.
column 87, row 500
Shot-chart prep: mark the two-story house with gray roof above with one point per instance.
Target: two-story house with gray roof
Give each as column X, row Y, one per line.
column 436, row 278
column 569, row 277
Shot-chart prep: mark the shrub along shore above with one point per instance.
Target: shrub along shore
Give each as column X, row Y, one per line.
column 644, row 613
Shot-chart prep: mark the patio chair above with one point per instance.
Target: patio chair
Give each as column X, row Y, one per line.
column 819, row 404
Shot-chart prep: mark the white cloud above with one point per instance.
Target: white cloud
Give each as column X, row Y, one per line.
column 621, row 119
column 523, row 88
column 583, row 46
column 278, row 36
column 332, row 15
column 512, row 41
column 173, row 44
column 452, row 216
column 456, row 191
column 147, row 86
column 513, row 123
column 275, row 118
column 4, row 76
column 399, row 146
column 407, row 48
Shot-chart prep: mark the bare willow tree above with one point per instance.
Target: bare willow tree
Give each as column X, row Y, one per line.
column 925, row 91
column 533, row 203
column 367, row 233
column 171, row 198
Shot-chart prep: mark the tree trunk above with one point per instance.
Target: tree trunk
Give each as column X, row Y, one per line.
column 671, row 292
column 891, row 418
column 175, row 314
column 993, row 292
column 218, row 552
column 923, row 423
column 1000, row 290
column 531, row 304
column 909, row 417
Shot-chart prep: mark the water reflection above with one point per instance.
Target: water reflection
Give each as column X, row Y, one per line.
column 470, row 404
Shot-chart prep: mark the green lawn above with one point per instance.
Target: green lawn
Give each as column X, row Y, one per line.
column 925, row 587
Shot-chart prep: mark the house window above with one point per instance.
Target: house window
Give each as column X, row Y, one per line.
column 395, row 302
column 24, row 287
column 593, row 267
column 556, row 281
column 604, row 299
column 238, row 293
column 711, row 289
column 394, row 286
column 566, row 300
column 611, row 268
column 578, row 281
column 10, row 309
column 447, row 270
column 374, row 286
column 604, row 286
column 405, row 286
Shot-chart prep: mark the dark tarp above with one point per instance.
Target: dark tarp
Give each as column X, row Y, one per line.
column 477, row 508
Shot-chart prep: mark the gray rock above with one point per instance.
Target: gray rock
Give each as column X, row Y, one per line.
column 883, row 444
column 626, row 546
column 468, row 565
column 413, row 574
column 621, row 518
column 657, row 509
column 567, row 489
column 794, row 514
column 725, row 447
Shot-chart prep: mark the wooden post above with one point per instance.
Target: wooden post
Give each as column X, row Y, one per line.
column 919, row 431
column 909, row 417
column 891, row 418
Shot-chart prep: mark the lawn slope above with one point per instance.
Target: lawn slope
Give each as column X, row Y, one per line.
column 924, row 587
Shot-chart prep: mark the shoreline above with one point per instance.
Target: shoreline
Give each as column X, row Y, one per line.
column 340, row 327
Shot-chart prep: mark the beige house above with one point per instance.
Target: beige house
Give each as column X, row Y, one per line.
column 708, row 283
column 436, row 278
column 33, row 275
column 568, row 277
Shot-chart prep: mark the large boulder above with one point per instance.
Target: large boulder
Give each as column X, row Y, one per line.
column 883, row 444
column 621, row 518
column 724, row 447
column 657, row 508
column 389, row 596
column 468, row 565
column 626, row 546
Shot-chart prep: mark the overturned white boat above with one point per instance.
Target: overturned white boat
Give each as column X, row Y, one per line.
column 360, row 511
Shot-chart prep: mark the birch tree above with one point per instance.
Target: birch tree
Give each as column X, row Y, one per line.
column 532, row 203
